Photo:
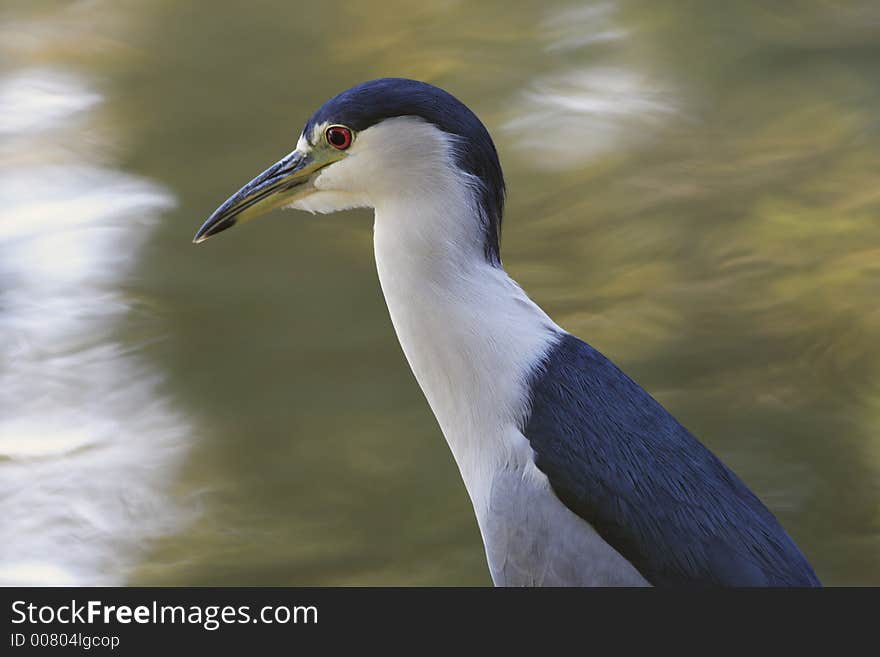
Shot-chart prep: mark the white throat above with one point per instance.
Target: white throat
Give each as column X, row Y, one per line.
column 471, row 335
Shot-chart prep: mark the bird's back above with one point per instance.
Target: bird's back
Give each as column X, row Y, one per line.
column 616, row 458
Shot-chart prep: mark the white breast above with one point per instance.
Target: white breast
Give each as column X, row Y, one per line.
column 471, row 337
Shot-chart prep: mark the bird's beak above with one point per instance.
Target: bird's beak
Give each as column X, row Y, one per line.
column 284, row 182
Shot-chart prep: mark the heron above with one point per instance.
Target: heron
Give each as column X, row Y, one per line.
column 577, row 475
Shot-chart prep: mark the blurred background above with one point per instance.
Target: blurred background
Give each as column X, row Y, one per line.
column 693, row 190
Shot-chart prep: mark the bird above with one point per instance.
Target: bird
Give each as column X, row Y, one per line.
column 577, row 475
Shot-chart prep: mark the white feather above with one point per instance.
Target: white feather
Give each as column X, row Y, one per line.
column 472, row 338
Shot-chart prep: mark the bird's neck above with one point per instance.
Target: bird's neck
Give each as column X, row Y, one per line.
column 471, row 335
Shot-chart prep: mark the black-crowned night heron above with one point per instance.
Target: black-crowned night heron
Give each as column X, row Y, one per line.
column 577, row 475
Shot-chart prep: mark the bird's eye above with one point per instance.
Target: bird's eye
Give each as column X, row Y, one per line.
column 338, row 137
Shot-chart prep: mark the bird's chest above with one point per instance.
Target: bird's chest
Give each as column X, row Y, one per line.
column 472, row 354
column 532, row 539
column 474, row 404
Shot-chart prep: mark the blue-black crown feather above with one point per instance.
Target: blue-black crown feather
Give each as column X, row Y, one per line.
column 370, row 102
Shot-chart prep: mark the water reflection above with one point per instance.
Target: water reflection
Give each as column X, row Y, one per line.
column 37, row 100
column 573, row 28
column 87, row 445
column 571, row 116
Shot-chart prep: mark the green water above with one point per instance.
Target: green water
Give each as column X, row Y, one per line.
column 694, row 189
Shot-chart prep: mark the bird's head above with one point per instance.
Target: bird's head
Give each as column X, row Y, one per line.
column 377, row 143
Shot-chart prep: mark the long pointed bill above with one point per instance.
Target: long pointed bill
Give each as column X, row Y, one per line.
column 284, row 182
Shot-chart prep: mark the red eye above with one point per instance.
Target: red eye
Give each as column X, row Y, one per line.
column 338, row 137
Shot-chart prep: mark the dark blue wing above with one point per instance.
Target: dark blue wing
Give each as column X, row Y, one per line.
column 619, row 460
